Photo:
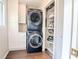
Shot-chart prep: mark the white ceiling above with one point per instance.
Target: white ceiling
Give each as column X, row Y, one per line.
column 32, row 3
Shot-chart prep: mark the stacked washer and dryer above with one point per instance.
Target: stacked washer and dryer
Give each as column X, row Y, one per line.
column 34, row 39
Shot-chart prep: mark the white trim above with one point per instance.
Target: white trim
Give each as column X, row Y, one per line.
column 6, row 54
column 67, row 28
column 78, row 27
column 4, row 3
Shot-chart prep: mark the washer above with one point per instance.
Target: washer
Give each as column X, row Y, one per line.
column 34, row 19
column 34, row 41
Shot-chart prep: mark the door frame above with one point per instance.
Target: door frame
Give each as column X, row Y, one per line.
column 67, row 28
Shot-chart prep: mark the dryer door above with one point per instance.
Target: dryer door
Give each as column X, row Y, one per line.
column 35, row 18
column 35, row 41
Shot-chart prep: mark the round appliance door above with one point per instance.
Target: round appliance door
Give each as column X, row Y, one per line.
column 35, row 18
column 35, row 40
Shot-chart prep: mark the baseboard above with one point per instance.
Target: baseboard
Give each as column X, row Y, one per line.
column 6, row 54
column 14, row 49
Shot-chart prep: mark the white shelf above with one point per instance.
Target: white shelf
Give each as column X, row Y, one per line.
column 22, row 27
column 50, row 47
column 50, row 28
column 50, row 42
column 51, row 16
column 50, row 50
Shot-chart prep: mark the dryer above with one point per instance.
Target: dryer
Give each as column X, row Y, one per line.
column 34, row 20
column 34, row 41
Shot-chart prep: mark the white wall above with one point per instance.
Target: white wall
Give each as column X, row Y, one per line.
column 3, row 42
column 17, row 40
column 3, row 38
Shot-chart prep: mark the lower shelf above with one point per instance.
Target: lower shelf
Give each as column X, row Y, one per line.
column 50, row 50
column 22, row 27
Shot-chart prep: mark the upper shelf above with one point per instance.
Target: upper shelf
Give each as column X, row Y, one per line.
column 51, row 42
column 51, row 16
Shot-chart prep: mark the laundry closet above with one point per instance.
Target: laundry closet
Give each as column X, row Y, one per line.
column 40, row 22
column 28, row 24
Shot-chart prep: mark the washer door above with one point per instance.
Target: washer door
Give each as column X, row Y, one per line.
column 35, row 40
column 35, row 18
